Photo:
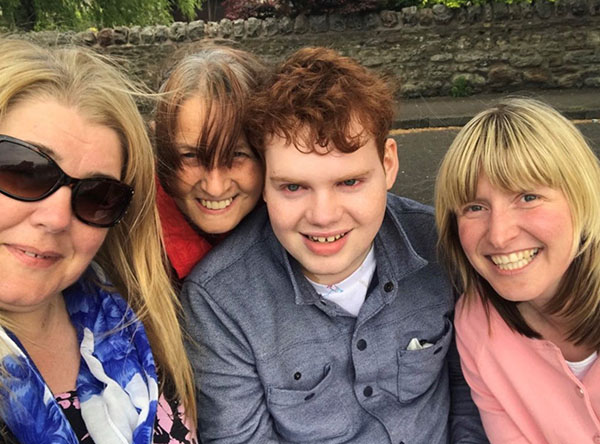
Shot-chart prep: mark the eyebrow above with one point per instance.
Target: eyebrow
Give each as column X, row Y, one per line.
column 46, row 150
column 58, row 158
column 349, row 176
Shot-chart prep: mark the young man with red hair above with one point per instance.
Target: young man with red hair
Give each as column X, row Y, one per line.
column 325, row 317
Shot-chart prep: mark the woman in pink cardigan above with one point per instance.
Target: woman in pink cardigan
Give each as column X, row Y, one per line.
column 518, row 213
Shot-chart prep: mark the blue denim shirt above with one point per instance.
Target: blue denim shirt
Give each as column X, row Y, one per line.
column 274, row 362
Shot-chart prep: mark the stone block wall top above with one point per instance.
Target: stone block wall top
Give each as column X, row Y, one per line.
column 253, row 28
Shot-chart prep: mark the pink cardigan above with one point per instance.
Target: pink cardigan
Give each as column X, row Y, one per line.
column 523, row 387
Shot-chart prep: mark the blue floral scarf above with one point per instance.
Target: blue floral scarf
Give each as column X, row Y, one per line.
column 117, row 384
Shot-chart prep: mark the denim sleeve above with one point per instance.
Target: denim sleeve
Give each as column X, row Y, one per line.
column 231, row 400
column 465, row 423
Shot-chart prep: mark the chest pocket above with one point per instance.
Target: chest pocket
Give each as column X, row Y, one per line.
column 309, row 415
column 418, row 370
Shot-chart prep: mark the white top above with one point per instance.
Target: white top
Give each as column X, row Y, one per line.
column 351, row 292
column 580, row 368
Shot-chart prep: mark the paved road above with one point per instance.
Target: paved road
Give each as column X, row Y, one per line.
column 420, row 152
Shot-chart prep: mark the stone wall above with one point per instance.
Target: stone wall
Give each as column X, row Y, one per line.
column 493, row 47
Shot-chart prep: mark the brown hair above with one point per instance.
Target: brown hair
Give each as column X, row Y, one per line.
column 224, row 78
column 317, row 96
column 521, row 143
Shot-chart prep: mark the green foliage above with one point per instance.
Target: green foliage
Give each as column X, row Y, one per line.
column 461, row 87
column 461, row 3
column 188, row 7
column 81, row 14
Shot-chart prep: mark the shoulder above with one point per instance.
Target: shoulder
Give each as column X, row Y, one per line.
column 416, row 222
column 478, row 327
column 409, row 209
column 415, row 218
column 248, row 239
column 249, row 261
column 470, row 313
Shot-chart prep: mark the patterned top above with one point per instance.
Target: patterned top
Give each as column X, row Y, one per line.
column 169, row 427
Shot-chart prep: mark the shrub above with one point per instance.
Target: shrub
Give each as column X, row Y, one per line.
column 243, row 9
column 461, row 87
column 397, row 5
column 310, row 7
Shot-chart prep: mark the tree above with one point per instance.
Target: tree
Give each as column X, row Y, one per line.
column 81, row 14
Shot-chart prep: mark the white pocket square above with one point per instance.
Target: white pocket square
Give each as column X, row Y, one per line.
column 415, row 344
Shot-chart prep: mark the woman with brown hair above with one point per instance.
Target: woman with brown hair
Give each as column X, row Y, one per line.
column 209, row 177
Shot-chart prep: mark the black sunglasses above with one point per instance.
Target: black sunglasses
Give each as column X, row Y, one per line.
column 28, row 175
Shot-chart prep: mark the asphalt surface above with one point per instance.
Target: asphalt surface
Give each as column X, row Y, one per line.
column 449, row 111
column 425, row 129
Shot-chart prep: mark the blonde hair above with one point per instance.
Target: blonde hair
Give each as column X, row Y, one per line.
column 520, row 143
column 132, row 254
column 223, row 78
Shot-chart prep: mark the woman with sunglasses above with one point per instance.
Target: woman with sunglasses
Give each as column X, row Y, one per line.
column 90, row 346
column 518, row 213
column 209, row 177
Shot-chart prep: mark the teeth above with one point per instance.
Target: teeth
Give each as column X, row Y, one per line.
column 216, row 204
column 326, row 239
column 30, row 254
column 514, row 261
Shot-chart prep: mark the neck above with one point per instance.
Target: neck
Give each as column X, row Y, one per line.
column 33, row 326
column 536, row 313
column 554, row 329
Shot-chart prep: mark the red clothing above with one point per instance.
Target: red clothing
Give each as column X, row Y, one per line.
column 185, row 246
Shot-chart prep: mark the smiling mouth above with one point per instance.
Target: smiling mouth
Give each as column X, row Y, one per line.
column 325, row 240
column 216, row 204
column 516, row 260
column 37, row 255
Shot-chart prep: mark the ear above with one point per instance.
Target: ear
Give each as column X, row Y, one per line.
column 390, row 162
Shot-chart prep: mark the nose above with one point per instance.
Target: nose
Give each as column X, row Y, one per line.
column 325, row 209
column 54, row 213
column 503, row 227
column 216, row 182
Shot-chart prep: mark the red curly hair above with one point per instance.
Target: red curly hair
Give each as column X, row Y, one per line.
column 317, row 96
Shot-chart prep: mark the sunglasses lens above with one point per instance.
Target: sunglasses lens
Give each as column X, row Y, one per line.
column 24, row 173
column 101, row 202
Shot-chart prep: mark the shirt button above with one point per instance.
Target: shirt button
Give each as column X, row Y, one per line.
column 361, row 344
column 389, row 286
column 368, row 391
column 579, row 391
